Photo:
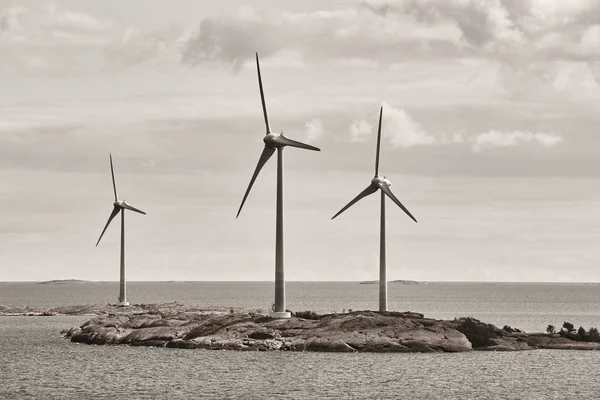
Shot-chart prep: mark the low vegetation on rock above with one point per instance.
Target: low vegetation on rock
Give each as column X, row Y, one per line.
column 479, row 333
column 568, row 331
column 307, row 315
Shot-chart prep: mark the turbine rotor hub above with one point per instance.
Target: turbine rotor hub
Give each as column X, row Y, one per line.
column 271, row 140
column 118, row 203
column 378, row 181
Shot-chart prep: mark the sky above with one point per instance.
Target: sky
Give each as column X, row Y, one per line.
column 490, row 138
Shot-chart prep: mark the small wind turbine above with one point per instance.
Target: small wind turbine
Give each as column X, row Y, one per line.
column 379, row 183
column 119, row 206
column 275, row 141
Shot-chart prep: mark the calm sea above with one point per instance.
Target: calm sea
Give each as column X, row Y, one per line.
column 36, row 363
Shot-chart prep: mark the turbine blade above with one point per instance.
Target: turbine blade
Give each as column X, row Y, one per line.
column 388, row 192
column 378, row 142
column 293, row 143
column 262, row 96
column 128, row 207
column 264, row 157
column 368, row 191
column 112, row 172
column 113, row 214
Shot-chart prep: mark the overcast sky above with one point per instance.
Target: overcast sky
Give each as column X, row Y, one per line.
column 491, row 137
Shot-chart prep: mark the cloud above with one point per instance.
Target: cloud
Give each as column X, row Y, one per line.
column 495, row 138
column 507, row 27
column 314, row 129
column 523, row 45
column 397, row 126
column 530, row 38
column 231, row 40
column 133, row 46
column 360, row 130
column 389, row 31
column 402, row 130
column 57, row 42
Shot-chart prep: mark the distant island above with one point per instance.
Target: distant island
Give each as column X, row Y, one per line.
column 402, row 281
column 63, row 281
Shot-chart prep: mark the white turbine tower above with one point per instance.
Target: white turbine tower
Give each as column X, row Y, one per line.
column 379, row 183
column 119, row 206
column 275, row 141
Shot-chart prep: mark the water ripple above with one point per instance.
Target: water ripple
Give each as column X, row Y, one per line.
column 38, row 364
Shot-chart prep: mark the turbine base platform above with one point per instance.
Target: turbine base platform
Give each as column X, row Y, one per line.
column 280, row 314
column 122, row 304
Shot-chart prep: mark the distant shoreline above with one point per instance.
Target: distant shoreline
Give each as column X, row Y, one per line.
column 401, row 281
column 318, row 282
column 64, row 281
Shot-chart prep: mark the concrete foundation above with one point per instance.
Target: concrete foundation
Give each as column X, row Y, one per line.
column 280, row 314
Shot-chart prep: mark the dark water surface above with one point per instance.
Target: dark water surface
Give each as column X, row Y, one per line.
column 36, row 363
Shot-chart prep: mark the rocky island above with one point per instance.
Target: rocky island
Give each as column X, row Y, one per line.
column 177, row 326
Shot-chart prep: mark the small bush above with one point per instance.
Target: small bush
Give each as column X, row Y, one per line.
column 307, row 315
column 568, row 331
column 479, row 333
column 550, row 329
column 581, row 333
column 510, row 329
column 593, row 335
column 569, row 327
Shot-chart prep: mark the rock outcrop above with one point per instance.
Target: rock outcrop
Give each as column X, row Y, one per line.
column 178, row 326
column 359, row 331
column 366, row 331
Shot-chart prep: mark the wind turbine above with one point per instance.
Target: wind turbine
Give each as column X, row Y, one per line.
column 275, row 141
column 379, row 183
column 119, row 206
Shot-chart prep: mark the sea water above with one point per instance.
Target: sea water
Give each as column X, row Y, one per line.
column 37, row 363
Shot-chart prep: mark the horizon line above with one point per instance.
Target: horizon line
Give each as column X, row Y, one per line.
column 299, row 281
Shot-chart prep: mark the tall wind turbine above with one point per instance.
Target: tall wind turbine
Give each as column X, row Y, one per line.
column 275, row 141
column 379, row 183
column 119, row 206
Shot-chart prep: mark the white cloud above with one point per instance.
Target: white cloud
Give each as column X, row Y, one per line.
column 495, row 138
column 397, row 126
column 314, row 129
column 527, row 35
column 402, row 130
column 57, row 42
column 360, row 130
column 590, row 40
column 526, row 38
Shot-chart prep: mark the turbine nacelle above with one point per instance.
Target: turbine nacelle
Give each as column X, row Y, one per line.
column 379, row 181
column 273, row 140
column 278, row 141
column 119, row 203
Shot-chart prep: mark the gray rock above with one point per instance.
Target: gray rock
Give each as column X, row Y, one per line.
column 360, row 331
